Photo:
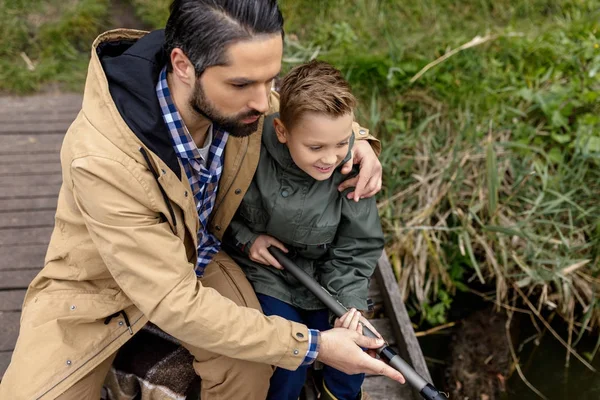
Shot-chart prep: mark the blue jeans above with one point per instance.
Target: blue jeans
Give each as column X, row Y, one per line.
column 287, row 385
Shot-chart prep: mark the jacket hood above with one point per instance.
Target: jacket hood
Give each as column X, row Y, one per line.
column 129, row 66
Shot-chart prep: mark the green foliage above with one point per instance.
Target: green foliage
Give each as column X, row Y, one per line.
column 492, row 156
column 49, row 41
column 153, row 12
column 436, row 314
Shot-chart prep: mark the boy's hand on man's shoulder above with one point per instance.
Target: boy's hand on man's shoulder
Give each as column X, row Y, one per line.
column 259, row 251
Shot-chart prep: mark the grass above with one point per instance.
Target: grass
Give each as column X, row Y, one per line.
column 47, row 42
column 491, row 155
column 152, row 12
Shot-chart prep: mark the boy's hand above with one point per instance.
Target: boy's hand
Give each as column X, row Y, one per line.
column 259, row 250
column 354, row 321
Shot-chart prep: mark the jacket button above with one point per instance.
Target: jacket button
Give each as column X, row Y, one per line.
column 68, row 362
column 296, row 352
column 73, row 307
column 299, row 335
column 285, row 193
column 185, row 193
column 218, row 228
column 362, row 131
column 164, row 172
column 238, row 191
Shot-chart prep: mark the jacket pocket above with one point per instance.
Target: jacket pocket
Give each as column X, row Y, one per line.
column 315, row 236
column 61, row 331
column 254, row 215
column 313, row 242
column 73, row 307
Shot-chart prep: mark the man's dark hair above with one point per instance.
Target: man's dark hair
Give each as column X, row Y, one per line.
column 203, row 29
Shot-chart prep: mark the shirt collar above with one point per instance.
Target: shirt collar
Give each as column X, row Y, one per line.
column 183, row 143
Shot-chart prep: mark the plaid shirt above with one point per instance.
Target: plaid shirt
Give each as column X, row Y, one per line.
column 203, row 175
column 313, row 347
column 204, row 182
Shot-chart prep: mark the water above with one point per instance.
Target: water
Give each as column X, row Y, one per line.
column 544, row 367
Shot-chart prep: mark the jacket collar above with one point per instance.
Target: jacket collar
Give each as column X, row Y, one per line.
column 120, row 94
column 132, row 70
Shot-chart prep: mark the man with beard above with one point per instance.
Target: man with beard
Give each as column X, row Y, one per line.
column 154, row 168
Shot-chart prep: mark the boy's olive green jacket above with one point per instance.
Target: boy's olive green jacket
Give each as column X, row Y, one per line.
column 336, row 240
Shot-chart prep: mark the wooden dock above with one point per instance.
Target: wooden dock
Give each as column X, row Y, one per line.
column 31, row 132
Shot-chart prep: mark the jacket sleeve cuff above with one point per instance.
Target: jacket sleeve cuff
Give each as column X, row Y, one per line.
column 298, row 347
column 245, row 240
column 350, row 301
column 313, row 347
column 361, row 133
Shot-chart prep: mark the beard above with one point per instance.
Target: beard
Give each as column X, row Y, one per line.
column 232, row 125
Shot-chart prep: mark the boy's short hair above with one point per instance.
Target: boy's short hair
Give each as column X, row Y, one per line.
column 316, row 87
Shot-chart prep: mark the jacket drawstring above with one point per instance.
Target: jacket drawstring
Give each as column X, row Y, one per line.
column 164, row 194
column 124, row 314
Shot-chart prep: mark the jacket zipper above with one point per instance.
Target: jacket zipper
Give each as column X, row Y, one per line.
column 214, row 212
column 162, row 190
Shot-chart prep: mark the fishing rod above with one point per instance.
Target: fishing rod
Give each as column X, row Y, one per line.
column 426, row 390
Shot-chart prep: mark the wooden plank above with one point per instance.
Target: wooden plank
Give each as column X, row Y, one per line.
column 24, row 144
column 21, row 219
column 9, row 329
column 7, row 182
column 17, row 279
column 29, row 203
column 4, row 361
column 42, row 158
column 64, row 116
column 60, row 121
column 374, row 290
column 23, row 192
column 382, row 388
column 41, row 103
column 15, row 257
column 25, row 168
column 408, row 345
column 25, row 236
column 26, row 114
column 11, row 300
column 384, row 327
column 44, row 127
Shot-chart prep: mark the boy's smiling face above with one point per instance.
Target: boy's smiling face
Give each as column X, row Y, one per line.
column 317, row 142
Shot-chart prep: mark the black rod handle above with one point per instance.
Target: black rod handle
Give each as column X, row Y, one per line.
column 427, row 390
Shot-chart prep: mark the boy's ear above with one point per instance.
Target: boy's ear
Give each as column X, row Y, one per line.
column 280, row 130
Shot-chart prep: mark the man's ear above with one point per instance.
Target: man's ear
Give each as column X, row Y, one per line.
column 183, row 68
column 280, row 130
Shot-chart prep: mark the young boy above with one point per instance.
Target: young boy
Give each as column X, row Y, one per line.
column 293, row 203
